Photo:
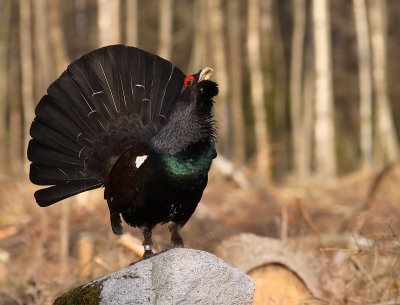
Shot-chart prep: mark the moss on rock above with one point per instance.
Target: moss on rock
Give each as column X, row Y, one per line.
column 85, row 295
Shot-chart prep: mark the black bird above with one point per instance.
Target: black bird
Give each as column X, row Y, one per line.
column 117, row 107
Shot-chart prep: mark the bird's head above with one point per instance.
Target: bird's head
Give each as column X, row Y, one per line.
column 200, row 85
column 192, row 120
column 197, row 92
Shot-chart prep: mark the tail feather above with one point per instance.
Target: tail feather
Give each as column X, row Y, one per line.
column 173, row 90
column 48, row 112
column 145, row 110
column 49, row 137
column 163, row 77
column 49, row 175
column 138, row 95
column 86, row 119
column 147, row 61
column 120, row 67
column 85, row 75
column 101, row 71
column 79, row 106
column 135, row 75
column 40, row 154
column 53, row 194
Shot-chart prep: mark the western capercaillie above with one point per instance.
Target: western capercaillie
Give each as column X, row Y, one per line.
column 126, row 119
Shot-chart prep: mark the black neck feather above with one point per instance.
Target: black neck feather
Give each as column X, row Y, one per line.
column 178, row 134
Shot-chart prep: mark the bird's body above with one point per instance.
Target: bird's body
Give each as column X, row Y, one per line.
column 117, row 107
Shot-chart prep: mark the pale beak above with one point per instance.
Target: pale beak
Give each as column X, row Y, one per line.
column 206, row 74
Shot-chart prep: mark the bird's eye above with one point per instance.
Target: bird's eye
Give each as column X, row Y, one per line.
column 188, row 81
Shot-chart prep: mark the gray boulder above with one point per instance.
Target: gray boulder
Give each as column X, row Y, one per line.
column 178, row 276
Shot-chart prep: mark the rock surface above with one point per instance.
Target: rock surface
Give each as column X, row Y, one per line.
column 178, row 276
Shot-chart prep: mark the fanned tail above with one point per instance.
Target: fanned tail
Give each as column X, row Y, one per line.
column 109, row 100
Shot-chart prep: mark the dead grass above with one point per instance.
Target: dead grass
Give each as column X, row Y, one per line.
column 358, row 250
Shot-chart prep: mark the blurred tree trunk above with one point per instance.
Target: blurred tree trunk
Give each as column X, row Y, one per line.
column 25, row 25
column 296, row 92
column 5, row 17
column 386, row 134
column 85, row 256
column 235, row 82
column 199, row 45
column 165, row 28
column 42, row 54
column 57, row 43
column 57, row 40
column 257, row 91
column 108, row 22
column 14, row 113
column 280, row 136
column 325, row 156
column 365, row 81
column 217, row 51
column 131, row 22
column 82, row 24
column 308, row 97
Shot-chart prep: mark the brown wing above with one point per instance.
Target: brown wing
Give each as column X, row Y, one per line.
column 121, row 185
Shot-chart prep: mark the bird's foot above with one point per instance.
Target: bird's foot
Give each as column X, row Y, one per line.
column 177, row 241
column 148, row 254
column 176, row 238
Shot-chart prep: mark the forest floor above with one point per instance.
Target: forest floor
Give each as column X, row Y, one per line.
column 358, row 216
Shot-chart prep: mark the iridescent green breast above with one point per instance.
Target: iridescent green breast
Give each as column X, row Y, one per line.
column 190, row 167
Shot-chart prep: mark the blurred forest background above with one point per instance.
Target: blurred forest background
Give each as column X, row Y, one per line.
column 306, row 88
column 309, row 91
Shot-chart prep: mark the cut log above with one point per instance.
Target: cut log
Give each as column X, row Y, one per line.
column 282, row 275
column 279, row 285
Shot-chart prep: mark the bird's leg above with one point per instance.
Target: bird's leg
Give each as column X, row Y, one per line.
column 147, row 242
column 176, row 238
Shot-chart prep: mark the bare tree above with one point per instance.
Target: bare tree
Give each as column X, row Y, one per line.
column 217, row 50
column 165, row 28
column 14, row 116
column 199, row 45
column 42, row 54
column 386, row 134
column 325, row 156
column 235, row 82
column 5, row 16
column 308, row 97
column 85, row 256
column 365, row 81
column 81, row 19
column 57, row 39
column 131, row 22
column 108, row 22
column 25, row 24
column 296, row 92
column 257, row 91
column 57, row 43
column 281, row 136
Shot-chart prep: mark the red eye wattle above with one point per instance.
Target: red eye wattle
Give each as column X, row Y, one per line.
column 188, row 81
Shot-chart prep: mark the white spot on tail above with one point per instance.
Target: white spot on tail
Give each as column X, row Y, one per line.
column 139, row 160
